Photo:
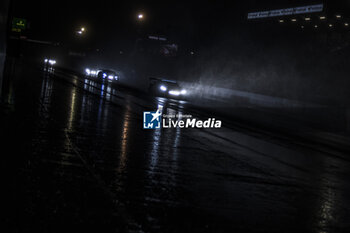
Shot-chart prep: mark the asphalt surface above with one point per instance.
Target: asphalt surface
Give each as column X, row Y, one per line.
column 75, row 158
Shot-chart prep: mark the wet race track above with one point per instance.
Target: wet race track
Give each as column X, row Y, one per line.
column 79, row 160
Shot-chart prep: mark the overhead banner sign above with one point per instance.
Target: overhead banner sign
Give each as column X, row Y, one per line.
column 157, row 38
column 286, row 11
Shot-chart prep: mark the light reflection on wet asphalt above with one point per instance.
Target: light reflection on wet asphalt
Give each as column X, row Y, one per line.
column 183, row 180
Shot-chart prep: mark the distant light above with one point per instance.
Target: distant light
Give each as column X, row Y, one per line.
column 110, row 77
column 80, row 32
column 104, row 75
column 183, row 92
column 281, row 21
column 330, row 25
column 46, row 60
column 322, row 17
column 338, row 16
column 316, row 26
column 82, row 29
column 140, row 16
column 346, row 24
column 302, row 26
column 307, row 19
column 87, row 70
column 116, row 77
column 192, row 53
column 294, row 20
column 163, row 88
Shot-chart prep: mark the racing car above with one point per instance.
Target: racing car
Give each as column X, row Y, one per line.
column 102, row 74
column 166, row 88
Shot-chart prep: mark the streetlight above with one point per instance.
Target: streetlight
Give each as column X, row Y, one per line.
column 81, row 31
column 140, row 16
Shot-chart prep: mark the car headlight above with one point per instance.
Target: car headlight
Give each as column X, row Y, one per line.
column 174, row 93
column 87, row 70
column 110, row 77
column 163, row 88
column 52, row 62
column 183, row 92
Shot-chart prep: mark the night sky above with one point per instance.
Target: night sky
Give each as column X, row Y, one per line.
column 189, row 23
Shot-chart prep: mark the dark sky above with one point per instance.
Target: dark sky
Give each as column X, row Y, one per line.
column 189, row 23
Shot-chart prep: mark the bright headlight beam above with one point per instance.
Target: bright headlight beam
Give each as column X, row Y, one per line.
column 174, row 93
column 163, row 88
column 52, row 62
